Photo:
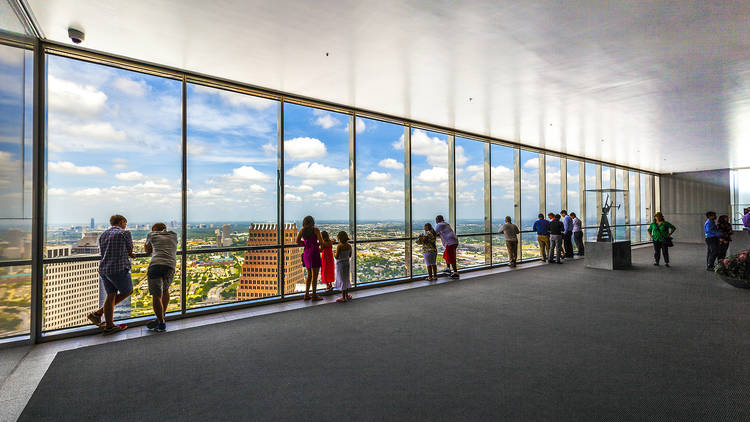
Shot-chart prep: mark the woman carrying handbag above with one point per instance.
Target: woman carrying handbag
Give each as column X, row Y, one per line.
column 660, row 232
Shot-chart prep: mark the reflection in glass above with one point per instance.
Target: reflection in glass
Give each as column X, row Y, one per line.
column 381, row 261
column 593, row 207
column 15, row 300
column 529, row 246
column 16, row 117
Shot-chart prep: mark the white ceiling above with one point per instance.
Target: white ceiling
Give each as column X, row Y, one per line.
column 659, row 85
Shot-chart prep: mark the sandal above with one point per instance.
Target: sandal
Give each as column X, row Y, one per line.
column 316, row 297
column 341, row 300
column 95, row 318
column 348, row 297
column 307, row 297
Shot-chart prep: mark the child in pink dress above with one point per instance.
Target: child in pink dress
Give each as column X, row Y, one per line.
column 328, row 270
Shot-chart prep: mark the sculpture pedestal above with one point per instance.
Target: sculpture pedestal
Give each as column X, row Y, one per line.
column 608, row 255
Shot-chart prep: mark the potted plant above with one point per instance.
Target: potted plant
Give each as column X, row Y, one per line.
column 735, row 270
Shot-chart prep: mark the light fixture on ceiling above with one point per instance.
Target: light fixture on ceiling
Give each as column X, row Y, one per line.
column 76, row 35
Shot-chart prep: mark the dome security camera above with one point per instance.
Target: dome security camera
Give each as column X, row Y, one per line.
column 76, row 35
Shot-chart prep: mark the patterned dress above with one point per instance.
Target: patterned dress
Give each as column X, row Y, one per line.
column 343, row 279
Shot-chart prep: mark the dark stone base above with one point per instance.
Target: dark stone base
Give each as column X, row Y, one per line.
column 608, row 255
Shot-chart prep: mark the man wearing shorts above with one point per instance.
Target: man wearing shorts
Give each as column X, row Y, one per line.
column 116, row 247
column 450, row 243
column 162, row 245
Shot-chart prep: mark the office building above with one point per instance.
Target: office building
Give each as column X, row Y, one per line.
column 260, row 267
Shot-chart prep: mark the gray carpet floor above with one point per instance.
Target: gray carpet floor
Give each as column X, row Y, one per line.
column 558, row 342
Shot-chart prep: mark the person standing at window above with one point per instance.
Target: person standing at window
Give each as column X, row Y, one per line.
column 116, row 247
column 556, row 230
column 660, row 231
column 450, row 244
column 567, row 234
column 510, row 232
column 541, row 227
column 162, row 245
column 578, row 233
column 712, row 240
column 309, row 237
column 746, row 220
column 725, row 228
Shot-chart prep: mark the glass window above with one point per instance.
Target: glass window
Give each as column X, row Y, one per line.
column 503, row 196
column 15, row 300
column 470, row 201
column 632, row 183
column 16, row 121
column 593, row 205
column 114, row 146
column 529, row 203
column 574, row 187
column 232, row 166
column 10, row 18
column 740, row 194
column 619, row 206
column 380, row 200
column 316, row 175
column 553, row 186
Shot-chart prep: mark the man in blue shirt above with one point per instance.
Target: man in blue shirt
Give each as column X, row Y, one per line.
column 712, row 239
column 541, row 227
column 568, row 234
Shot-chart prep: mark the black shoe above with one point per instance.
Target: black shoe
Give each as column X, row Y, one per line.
column 152, row 324
column 446, row 271
column 666, row 264
column 559, row 262
column 454, row 275
column 656, row 263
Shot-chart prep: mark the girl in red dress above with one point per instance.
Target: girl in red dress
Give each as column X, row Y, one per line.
column 328, row 270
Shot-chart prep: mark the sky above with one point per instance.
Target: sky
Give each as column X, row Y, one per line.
column 114, row 146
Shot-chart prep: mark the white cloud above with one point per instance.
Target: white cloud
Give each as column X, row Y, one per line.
column 237, row 99
column 376, row 176
column 361, row 126
column 269, row 149
column 66, row 167
column 317, row 171
column 318, row 195
column 97, row 130
column 300, row 188
column 89, row 192
column 390, row 163
column 313, row 182
column 433, row 175
column 292, row 198
column 72, row 98
column 435, row 149
column 324, row 119
column 531, row 163
column 303, row 148
column 131, row 87
column 342, row 183
column 56, row 191
column 120, row 163
column 474, row 168
column 380, row 193
column 247, row 174
column 130, row 176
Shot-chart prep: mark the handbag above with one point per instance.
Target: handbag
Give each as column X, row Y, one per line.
column 669, row 242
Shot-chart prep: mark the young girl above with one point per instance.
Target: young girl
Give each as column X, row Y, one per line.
column 309, row 236
column 343, row 255
column 327, row 271
column 429, row 249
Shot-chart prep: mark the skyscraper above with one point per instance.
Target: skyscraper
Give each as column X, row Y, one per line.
column 260, row 267
column 71, row 290
column 91, row 226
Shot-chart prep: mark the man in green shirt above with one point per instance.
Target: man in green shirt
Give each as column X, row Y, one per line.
column 660, row 232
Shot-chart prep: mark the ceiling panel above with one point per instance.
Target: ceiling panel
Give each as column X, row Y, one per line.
column 660, row 85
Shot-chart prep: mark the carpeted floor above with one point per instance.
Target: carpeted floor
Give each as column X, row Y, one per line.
column 558, row 342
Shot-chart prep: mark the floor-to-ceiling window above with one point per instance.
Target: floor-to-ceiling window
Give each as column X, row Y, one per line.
column 554, row 184
column 593, row 201
column 380, row 201
column 620, row 207
column 316, row 174
column 114, row 146
column 16, row 190
column 503, row 184
column 574, row 188
column 470, row 209
column 634, row 231
column 740, row 185
column 429, row 186
column 232, row 151
column 529, row 203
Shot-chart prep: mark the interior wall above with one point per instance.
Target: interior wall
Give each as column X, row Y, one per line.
column 686, row 197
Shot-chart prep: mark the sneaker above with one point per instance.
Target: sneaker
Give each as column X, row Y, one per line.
column 114, row 329
column 95, row 318
column 656, row 263
column 152, row 324
column 454, row 275
column 160, row 328
column 446, row 271
column 666, row 264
